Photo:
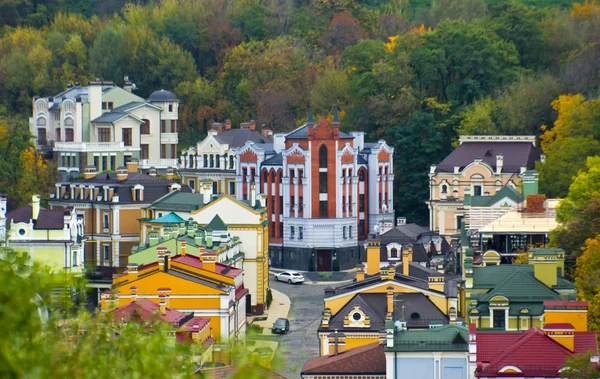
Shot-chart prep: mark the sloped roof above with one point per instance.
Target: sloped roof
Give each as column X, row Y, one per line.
column 521, row 286
column 275, row 160
column 492, row 276
column 148, row 311
column 445, row 338
column 113, row 116
column 236, row 138
column 216, row 224
column 195, row 261
column 132, row 105
column 170, row 218
column 47, row 219
column 364, row 360
column 162, row 96
column 516, row 155
column 302, row 133
column 485, row 201
column 180, row 201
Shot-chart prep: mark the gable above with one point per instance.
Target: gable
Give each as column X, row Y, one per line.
column 230, row 211
column 120, row 97
column 504, row 202
column 347, row 157
column 211, row 145
column 296, row 157
column 248, row 156
column 521, row 286
column 149, row 284
column 322, row 130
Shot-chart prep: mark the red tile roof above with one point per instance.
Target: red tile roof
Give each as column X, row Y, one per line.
column 148, row 311
column 533, row 352
column 368, row 359
column 234, row 371
column 240, row 291
column 201, row 322
column 220, row 268
column 559, row 326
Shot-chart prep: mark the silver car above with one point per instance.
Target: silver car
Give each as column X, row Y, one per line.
column 290, row 277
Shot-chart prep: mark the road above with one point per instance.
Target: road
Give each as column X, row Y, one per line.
column 301, row 343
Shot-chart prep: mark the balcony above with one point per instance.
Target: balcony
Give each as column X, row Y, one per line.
column 92, row 147
column 158, row 163
column 169, row 138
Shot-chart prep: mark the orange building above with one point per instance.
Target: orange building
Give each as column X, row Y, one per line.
column 190, row 284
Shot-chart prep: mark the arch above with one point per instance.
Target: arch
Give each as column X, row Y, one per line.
column 444, row 188
column 323, row 156
column 231, row 162
column 217, row 161
column 394, row 253
column 205, row 160
column 477, row 177
column 212, row 160
column 361, row 174
column 510, row 369
column 69, row 121
column 415, row 316
column 41, row 121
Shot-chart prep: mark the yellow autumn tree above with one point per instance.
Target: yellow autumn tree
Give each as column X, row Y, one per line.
column 587, row 280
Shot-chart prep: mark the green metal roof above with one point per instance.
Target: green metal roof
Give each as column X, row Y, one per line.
column 181, row 201
column 170, row 218
column 445, row 338
column 216, row 224
column 538, row 251
column 521, row 286
column 486, row 201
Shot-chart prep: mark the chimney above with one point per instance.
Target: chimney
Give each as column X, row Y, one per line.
column 134, row 296
column 162, row 304
column 217, row 127
column 127, row 85
column 165, row 293
column 546, row 264
column 252, row 125
column 576, row 312
column 183, row 247
column 499, row 163
column 170, row 173
column 152, row 171
column 35, row 207
column 161, row 251
column 373, row 248
column 360, row 273
column 530, row 183
column 337, row 343
column 407, row 255
column 132, row 271
column 436, row 283
column 89, row 172
column 95, row 98
column 206, row 186
column 253, row 195
column 266, row 132
column 132, row 165
column 121, row 173
column 209, row 261
column 227, row 124
column 310, row 123
column 336, row 123
column 262, row 198
column 390, row 301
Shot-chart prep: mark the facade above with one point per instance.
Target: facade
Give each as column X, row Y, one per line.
column 105, row 126
column 214, row 159
column 479, row 166
column 511, row 296
column 190, row 284
column 359, row 310
column 436, row 353
column 325, row 190
column 50, row 237
column 364, row 362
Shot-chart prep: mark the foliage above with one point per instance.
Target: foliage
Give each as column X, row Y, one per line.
column 269, row 297
column 587, row 280
column 580, row 366
column 326, row 276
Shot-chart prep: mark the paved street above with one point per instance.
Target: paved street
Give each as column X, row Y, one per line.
column 301, row 342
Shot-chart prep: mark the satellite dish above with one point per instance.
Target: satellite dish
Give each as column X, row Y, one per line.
column 376, row 229
column 384, row 208
column 133, row 87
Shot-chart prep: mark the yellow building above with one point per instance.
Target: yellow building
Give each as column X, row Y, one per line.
column 50, row 237
column 409, row 291
column 187, row 283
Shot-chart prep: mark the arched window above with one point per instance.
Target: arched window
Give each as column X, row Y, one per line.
column 42, row 139
column 68, row 121
column 231, row 162
column 394, row 253
column 205, row 160
column 145, row 127
column 444, row 189
column 41, row 121
column 212, row 160
column 361, row 175
column 323, row 157
column 415, row 316
column 218, row 161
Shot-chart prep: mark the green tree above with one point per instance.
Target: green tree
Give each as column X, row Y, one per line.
column 580, row 366
column 466, row 10
column 587, row 279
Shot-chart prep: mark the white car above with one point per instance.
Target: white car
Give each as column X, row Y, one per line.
column 290, row 277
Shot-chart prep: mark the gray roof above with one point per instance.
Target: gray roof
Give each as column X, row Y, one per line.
column 238, row 137
column 179, row 201
column 162, row 96
column 516, row 155
column 131, row 105
column 361, row 160
column 275, row 160
column 110, row 117
column 47, row 219
column 302, row 132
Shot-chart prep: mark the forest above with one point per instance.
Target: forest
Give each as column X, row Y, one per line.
column 416, row 73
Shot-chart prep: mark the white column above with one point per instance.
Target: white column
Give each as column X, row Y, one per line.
column 285, row 184
column 390, row 186
column 442, row 226
column 296, row 192
column 115, row 251
column 355, row 198
column 347, row 182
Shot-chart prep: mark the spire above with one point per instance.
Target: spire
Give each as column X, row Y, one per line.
column 310, row 116
column 335, row 115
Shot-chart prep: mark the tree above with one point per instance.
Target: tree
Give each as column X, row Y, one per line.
column 587, row 279
column 344, row 30
column 466, row 10
column 580, row 366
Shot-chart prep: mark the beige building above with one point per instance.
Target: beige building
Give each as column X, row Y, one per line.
column 479, row 166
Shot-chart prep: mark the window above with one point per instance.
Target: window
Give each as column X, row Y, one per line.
column 104, row 106
column 57, row 116
column 232, row 188
column 415, row 316
column 361, row 226
column 106, row 252
column 350, row 232
column 41, row 121
column 191, row 183
column 322, row 182
column 291, row 232
column 173, row 151
column 499, row 318
column 350, row 204
column 68, row 121
column 74, row 259
column 103, row 134
column 127, row 139
column 323, row 157
column 218, row 161
column 301, row 204
column 97, row 162
column 57, row 134
column 163, row 126
column 444, row 189
column 292, row 202
column 105, row 221
column 215, row 187
column 113, row 162
column 107, row 105
column 300, row 174
column 163, row 151
column 42, row 139
column 291, row 175
column 300, row 232
column 477, row 190
column 145, row 127
column 459, row 222
column 323, row 208
column 170, row 107
column 344, row 232
column 361, row 202
column 394, row 253
column 205, row 160
column 104, row 163
column 173, row 126
column 110, row 105
column 356, row 316
column 231, row 161
column 69, row 135
column 145, row 151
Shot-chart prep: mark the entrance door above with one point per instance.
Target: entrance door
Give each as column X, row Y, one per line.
column 324, row 260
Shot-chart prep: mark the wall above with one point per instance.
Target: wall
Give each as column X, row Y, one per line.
column 427, row 365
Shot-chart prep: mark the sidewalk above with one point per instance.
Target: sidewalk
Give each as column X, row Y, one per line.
column 280, row 308
column 312, row 277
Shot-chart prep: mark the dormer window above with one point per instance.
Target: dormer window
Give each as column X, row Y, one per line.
column 170, row 107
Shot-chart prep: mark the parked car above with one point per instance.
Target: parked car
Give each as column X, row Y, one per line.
column 290, row 277
column 281, row 326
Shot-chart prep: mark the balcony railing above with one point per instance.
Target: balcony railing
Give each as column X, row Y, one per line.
column 159, row 163
column 169, row 138
column 88, row 146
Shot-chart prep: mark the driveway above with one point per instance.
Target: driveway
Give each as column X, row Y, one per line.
column 301, row 343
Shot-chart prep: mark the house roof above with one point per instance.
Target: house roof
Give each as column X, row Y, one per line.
column 216, row 224
column 236, row 138
column 533, row 352
column 162, row 96
column 485, row 201
column 302, row 133
column 516, row 155
column 132, row 105
column 179, row 201
column 444, row 338
column 47, row 218
column 148, row 311
column 170, row 218
column 521, row 286
column 220, row 268
column 113, row 116
column 275, row 160
column 490, row 277
column 364, row 360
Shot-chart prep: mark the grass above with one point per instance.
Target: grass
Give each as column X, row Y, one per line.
column 325, row 275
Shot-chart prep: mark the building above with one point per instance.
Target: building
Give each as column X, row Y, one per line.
column 325, row 190
column 215, row 158
column 105, row 126
column 436, row 353
column 190, row 284
column 366, row 361
column 511, row 296
column 410, row 291
column 50, row 237
column 479, row 166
